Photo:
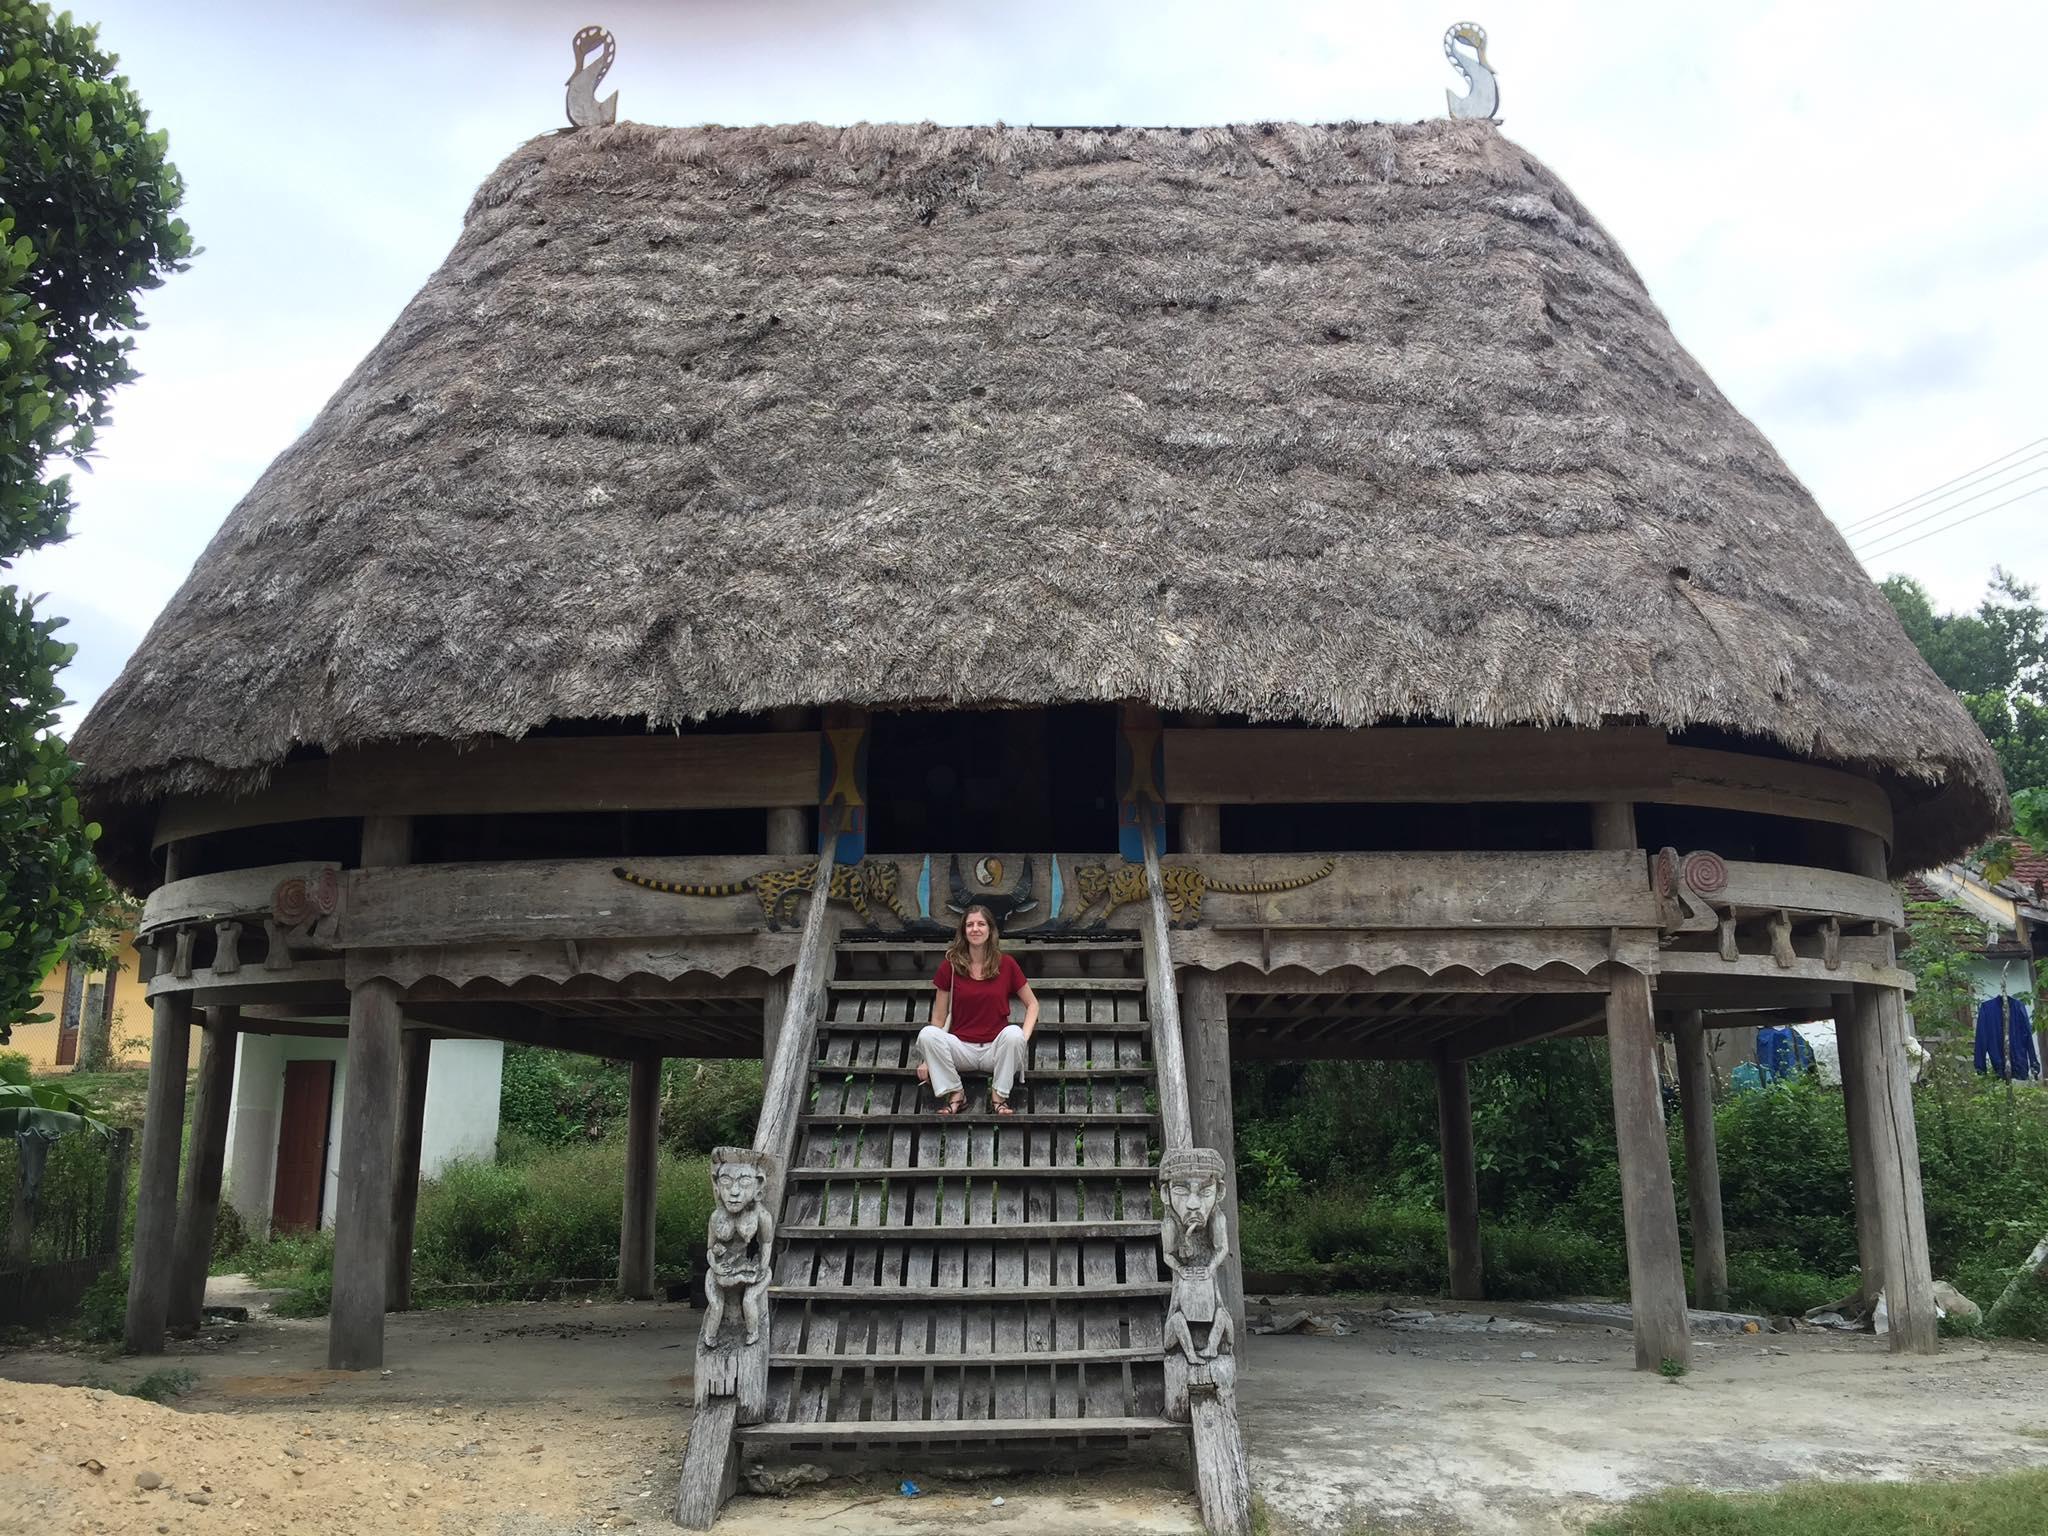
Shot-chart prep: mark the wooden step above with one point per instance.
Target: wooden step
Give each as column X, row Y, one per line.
column 931, row 1117
column 1113, row 941
column 968, row 1295
column 876, row 1175
column 1039, row 984
column 874, row 1430
column 1046, row 1026
column 953, row 1232
column 985, row 1357
column 1125, row 1073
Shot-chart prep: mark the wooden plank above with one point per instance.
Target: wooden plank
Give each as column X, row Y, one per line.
column 1066, row 1285
column 991, row 1430
column 888, row 1119
column 1027, row 1356
column 950, row 1174
column 234, row 893
column 1162, row 1007
column 1001, row 1231
column 1039, row 984
column 1409, row 765
column 1808, row 892
column 587, row 773
column 1103, row 1388
column 949, row 1317
column 1042, row 1075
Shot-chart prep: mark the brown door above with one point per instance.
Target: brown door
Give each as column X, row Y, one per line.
column 302, row 1146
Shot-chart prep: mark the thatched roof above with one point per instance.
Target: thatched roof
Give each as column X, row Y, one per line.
column 1339, row 424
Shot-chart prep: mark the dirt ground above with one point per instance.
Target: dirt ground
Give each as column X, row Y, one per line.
column 547, row 1420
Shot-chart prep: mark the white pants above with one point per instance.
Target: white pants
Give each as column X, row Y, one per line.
column 948, row 1056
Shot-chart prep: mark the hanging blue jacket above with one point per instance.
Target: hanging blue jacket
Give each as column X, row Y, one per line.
column 1782, row 1052
column 2005, row 1035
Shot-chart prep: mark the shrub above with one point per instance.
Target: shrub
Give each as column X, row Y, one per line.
column 103, row 1309
column 1775, row 1281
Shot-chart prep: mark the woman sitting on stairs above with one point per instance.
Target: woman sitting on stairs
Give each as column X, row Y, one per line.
column 970, row 1029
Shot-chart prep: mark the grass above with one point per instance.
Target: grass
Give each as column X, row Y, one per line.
column 2010, row 1505
column 157, row 1387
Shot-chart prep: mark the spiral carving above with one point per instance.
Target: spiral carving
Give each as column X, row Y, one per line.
column 291, row 903
column 1706, row 873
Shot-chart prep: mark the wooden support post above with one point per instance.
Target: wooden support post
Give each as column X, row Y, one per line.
column 1649, row 1206
column 193, row 1248
column 1461, row 1178
column 1886, row 1104
column 1851, row 1046
column 369, row 1141
column 1702, row 1164
column 1205, row 1042
column 1881, row 1116
column 415, row 1055
column 369, row 1144
column 643, row 1142
column 153, row 1258
column 1649, row 1210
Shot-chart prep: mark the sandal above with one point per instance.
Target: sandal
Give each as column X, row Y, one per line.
column 952, row 1106
column 1000, row 1105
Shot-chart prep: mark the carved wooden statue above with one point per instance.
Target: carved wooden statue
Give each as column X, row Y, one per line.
column 1194, row 1241
column 740, row 1245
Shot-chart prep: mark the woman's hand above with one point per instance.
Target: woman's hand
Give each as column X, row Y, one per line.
column 1030, row 1010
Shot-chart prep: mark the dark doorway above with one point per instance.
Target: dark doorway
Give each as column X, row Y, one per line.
column 302, row 1146
column 1008, row 780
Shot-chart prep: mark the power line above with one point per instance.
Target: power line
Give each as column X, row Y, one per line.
column 1877, row 554
column 1911, row 503
column 1943, row 511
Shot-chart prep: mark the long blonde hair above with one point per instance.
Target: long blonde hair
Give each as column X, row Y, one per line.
column 960, row 954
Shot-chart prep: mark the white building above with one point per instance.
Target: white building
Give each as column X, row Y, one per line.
column 284, row 1124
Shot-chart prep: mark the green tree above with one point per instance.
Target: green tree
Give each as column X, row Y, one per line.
column 1997, row 659
column 86, row 204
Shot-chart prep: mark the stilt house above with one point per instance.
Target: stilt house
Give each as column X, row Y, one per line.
column 1292, row 572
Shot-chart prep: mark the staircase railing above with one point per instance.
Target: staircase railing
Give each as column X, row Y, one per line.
column 1201, row 1360
column 732, row 1350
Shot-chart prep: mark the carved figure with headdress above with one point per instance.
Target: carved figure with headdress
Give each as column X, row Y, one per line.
column 740, row 1241
column 1194, row 1240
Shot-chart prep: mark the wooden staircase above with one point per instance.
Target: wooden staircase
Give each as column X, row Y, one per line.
column 977, row 1277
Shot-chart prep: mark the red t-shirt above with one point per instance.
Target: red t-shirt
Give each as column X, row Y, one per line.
column 980, row 1008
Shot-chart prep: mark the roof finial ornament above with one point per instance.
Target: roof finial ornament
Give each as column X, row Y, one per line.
column 1483, row 100
column 585, row 110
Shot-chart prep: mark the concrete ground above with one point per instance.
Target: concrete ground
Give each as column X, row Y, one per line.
column 549, row 1419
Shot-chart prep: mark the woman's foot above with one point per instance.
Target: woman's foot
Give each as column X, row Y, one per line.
column 954, row 1105
column 1000, row 1104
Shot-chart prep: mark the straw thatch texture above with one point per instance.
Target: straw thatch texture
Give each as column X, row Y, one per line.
column 1340, row 424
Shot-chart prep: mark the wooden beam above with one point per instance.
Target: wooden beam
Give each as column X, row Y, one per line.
column 1878, row 1014
column 588, row 773
column 519, row 1025
column 1461, row 1178
column 1702, row 1164
column 1409, row 765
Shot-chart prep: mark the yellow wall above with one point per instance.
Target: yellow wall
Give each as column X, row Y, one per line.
column 130, row 1034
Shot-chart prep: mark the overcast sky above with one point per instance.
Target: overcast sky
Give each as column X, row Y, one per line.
column 1839, row 207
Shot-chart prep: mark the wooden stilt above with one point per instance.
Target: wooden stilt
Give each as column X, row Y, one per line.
column 1879, row 1017
column 1852, row 1045
column 1656, row 1266
column 209, row 1140
column 152, row 1259
column 1461, row 1178
column 415, row 1055
column 643, row 1141
column 1702, row 1164
column 369, row 1140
